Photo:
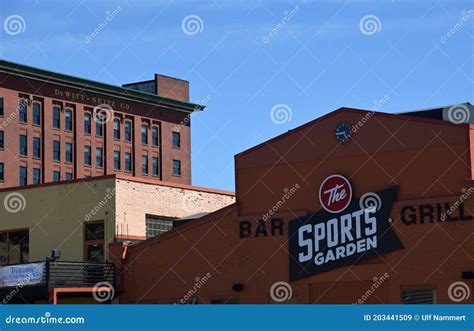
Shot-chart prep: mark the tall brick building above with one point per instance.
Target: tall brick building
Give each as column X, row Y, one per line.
column 57, row 127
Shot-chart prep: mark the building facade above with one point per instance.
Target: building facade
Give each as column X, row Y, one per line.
column 354, row 207
column 57, row 127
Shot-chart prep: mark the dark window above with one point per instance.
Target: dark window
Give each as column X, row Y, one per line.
column 23, row 110
column 56, row 150
column 23, row 176
column 145, row 164
column 94, row 231
column 69, row 152
column 176, row 140
column 56, row 117
column 156, row 225
column 36, row 175
column 144, row 134
column 2, row 172
column 68, row 120
column 1, row 107
column 176, row 168
column 36, row 147
column 14, row 246
column 419, row 296
column 128, row 162
column 2, row 142
column 116, row 160
column 36, row 113
column 128, row 131
column 116, row 129
column 23, row 145
column 68, row 175
column 56, row 176
column 99, row 125
column 87, row 155
column 154, row 136
column 87, row 123
column 99, row 157
column 155, row 166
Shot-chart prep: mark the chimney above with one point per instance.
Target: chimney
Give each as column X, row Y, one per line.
column 164, row 86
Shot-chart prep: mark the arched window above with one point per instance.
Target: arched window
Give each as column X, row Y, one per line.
column 56, row 117
column 36, row 113
column 68, row 119
column 117, row 129
column 128, row 131
column 154, row 136
column 99, row 125
column 144, row 134
column 22, row 110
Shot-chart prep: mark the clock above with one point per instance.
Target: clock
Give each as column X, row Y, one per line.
column 343, row 132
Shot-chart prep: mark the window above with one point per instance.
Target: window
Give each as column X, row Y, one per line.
column 419, row 296
column 23, row 145
column 94, row 243
column 117, row 160
column 87, row 155
column 117, row 129
column 23, row 176
column 56, row 117
column 68, row 120
column 99, row 126
column 14, row 246
column 155, row 166
column 36, row 113
column 99, row 157
column 156, row 225
column 56, row 150
column 87, row 123
column 176, row 140
column 2, row 142
column 56, row 176
column 36, row 175
column 144, row 134
column 68, row 175
column 94, row 231
column 128, row 162
column 128, row 131
column 1, row 107
column 2, row 172
column 23, row 111
column 69, row 152
column 145, row 164
column 36, row 147
column 154, row 136
column 176, row 168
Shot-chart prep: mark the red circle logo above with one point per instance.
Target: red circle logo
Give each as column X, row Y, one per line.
column 335, row 193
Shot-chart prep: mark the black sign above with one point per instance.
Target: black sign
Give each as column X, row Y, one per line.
column 324, row 241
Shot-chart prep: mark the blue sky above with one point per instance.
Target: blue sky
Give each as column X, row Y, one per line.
column 246, row 57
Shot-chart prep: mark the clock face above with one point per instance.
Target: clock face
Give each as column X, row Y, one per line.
column 343, row 132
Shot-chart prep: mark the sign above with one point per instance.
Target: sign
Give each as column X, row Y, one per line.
column 22, row 274
column 344, row 233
